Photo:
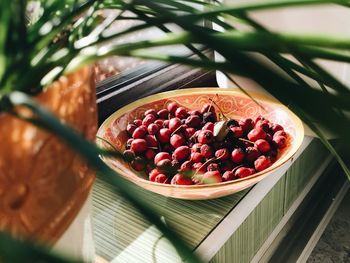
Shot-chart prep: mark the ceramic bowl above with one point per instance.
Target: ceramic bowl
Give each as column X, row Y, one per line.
column 234, row 104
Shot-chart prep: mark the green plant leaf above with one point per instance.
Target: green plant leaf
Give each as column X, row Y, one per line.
column 298, row 97
column 91, row 153
column 19, row 251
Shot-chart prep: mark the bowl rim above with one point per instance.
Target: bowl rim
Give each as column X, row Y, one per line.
column 257, row 96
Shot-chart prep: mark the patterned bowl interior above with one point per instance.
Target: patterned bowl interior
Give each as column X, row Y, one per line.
column 232, row 103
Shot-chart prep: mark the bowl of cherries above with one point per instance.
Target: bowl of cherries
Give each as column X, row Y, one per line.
column 200, row 143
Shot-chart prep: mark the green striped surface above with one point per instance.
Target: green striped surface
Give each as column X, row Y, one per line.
column 301, row 171
column 248, row 238
column 122, row 235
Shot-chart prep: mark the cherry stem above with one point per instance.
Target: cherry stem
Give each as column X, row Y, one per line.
column 234, row 169
column 211, row 103
column 193, row 136
column 245, row 140
column 208, row 161
column 222, row 113
column 178, row 128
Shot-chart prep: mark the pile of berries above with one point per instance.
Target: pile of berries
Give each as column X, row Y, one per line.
column 184, row 147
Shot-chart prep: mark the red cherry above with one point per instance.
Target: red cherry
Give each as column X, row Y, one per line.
column 211, row 177
column 213, row 167
column 159, row 122
column 153, row 174
column 262, row 145
column 206, row 151
column 172, row 107
column 139, row 132
column 181, row 153
column 243, row 172
column 195, row 135
column 128, row 143
column 205, row 137
column 208, row 126
column 138, row 146
column 280, row 133
column 164, row 135
column 199, row 167
column 161, row 156
column 197, row 157
column 175, row 164
column 138, row 164
column 252, row 171
column 163, row 114
column 209, row 117
column 251, row 154
column 276, row 127
column 151, row 111
column 195, row 112
column 263, row 124
column 237, row 131
column 181, row 113
column 151, row 141
column 196, row 148
column 193, row 121
column 272, row 155
column 161, row 178
column 153, row 129
column 177, row 140
column 222, row 154
column 246, row 124
column 237, row 156
column 259, row 118
column 164, row 166
column 262, row 163
column 150, row 154
column 179, row 179
column 186, row 166
column 131, row 128
column 174, row 124
column 166, row 123
column 138, row 122
column 208, row 107
column 256, row 134
column 189, row 132
column 228, row 176
column 128, row 155
column 279, row 141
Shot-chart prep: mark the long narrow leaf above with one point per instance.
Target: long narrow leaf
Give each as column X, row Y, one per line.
column 20, row 251
column 90, row 152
